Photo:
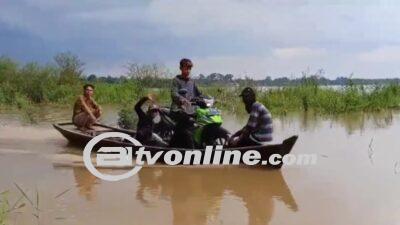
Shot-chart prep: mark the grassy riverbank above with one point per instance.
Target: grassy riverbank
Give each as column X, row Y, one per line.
column 30, row 85
column 331, row 101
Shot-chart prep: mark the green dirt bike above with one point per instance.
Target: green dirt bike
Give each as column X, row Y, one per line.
column 201, row 119
column 209, row 121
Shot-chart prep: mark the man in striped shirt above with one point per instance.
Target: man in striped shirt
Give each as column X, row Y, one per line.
column 258, row 129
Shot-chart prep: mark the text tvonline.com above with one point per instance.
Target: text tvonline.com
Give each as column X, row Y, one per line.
column 209, row 156
column 122, row 156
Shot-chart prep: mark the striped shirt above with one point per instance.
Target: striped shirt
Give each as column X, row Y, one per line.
column 260, row 123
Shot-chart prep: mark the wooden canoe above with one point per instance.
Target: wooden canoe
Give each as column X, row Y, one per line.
column 77, row 137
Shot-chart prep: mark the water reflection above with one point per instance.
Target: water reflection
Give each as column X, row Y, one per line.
column 352, row 122
column 196, row 195
column 85, row 182
column 307, row 121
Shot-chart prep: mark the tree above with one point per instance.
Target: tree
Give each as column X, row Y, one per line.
column 71, row 68
column 91, row 78
column 149, row 75
column 228, row 77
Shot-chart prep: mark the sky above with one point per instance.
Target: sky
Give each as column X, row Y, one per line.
column 255, row 38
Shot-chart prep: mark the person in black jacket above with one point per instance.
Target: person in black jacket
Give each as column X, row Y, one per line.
column 145, row 125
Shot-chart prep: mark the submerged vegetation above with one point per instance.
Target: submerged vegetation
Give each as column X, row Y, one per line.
column 331, row 101
column 30, row 85
column 3, row 209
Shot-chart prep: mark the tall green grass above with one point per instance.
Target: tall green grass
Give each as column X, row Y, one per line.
column 305, row 97
column 31, row 84
column 331, row 101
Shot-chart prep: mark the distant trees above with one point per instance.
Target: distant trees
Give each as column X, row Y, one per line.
column 148, row 75
column 157, row 76
column 71, row 68
column 313, row 79
column 215, row 78
column 91, row 78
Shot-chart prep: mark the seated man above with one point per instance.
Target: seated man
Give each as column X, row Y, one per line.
column 145, row 125
column 86, row 110
column 259, row 126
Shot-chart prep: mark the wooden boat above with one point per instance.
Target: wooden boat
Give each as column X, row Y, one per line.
column 75, row 136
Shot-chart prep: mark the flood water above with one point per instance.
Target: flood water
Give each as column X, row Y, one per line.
column 356, row 179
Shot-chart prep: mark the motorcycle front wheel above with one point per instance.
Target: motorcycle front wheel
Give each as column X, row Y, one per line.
column 214, row 134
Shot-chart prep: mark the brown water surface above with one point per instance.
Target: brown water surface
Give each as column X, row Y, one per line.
column 356, row 179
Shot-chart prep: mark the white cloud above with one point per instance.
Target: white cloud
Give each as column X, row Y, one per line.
column 386, row 54
column 254, row 37
column 298, row 53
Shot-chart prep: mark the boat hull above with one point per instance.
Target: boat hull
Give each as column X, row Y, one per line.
column 79, row 138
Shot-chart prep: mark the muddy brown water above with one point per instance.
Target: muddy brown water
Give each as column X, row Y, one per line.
column 356, row 179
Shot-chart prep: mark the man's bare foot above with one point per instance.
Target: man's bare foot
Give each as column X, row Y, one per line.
column 83, row 129
column 91, row 132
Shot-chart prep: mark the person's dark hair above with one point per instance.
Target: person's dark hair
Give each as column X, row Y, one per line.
column 88, row 85
column 249, row 94
column 185, row 63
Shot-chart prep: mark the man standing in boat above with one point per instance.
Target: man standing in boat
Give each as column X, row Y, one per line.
column 183, row 90
column 258, row 129
column 183, row 82
column 86, row 110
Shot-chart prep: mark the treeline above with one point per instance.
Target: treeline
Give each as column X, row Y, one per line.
column 228, row 79
column 159, row 78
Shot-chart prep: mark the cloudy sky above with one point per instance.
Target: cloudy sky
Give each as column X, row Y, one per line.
column 244, row 37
